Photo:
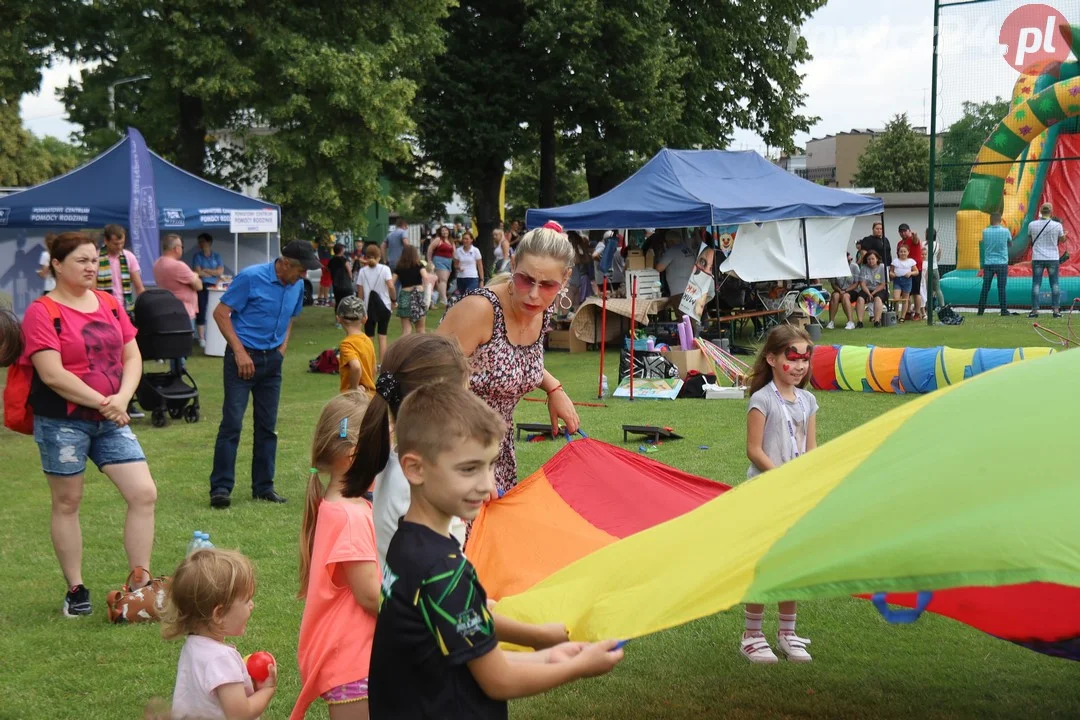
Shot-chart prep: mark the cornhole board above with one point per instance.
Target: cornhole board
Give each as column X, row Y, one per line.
column 650, row 431
column 542, row 428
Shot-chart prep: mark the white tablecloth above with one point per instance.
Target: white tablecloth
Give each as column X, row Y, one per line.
column 215, row 341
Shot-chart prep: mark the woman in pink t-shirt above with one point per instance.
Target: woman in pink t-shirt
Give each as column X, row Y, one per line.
column 339, row 570
column 82, row 347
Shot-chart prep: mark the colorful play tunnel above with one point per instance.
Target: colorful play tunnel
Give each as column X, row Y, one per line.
column 935, row 497
column 906, row 370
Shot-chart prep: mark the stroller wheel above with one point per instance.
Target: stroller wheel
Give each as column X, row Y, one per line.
column 157, row 418
column 191, row 415
column 176, row 413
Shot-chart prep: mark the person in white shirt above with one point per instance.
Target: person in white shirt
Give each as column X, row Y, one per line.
column 375, row 284
column 845, row 292
column 45, row 267
column 210, row 599
column 1047, row 235
column 598, row 256
column 903, row 271
column 469, row 264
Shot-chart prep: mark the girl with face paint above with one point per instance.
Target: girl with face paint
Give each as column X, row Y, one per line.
column 781, row 425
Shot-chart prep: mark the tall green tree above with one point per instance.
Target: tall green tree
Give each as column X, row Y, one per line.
column 24, row 45
column 898, row 160
column 612, row 73
column 474, row 102
column 329, row 83
column 605, row 83
column 523, row 189
column 27, row 160
column 964, row 138
column 632, row 76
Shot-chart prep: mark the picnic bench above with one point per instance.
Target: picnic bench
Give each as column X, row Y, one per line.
column 769, row 317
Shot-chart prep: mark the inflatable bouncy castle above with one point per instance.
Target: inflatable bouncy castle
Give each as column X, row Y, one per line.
column 1024, row 163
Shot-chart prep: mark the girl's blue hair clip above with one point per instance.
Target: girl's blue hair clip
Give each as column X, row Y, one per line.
column 343, row 428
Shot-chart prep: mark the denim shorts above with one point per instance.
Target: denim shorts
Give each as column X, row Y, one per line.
column 903, row 284
column 444, row 263
column 465, row 285
column 65, row 444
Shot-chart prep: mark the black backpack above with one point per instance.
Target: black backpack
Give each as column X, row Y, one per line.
column 948, row 316
column 694, row 385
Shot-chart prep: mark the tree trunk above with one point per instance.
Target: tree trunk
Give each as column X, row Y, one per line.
column 600, row 182
column 191, row 135
column 547, row 161
column 486, row 207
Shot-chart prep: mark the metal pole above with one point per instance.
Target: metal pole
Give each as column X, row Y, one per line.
column 603, row 337
column 235, row 254
column 806, row 248
column 633, row 324
column 268, row 258
column 931, row 232
column 112, row 96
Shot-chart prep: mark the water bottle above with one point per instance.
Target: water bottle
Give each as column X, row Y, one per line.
column 196, row 542
column 603, row 386
column 199, row 540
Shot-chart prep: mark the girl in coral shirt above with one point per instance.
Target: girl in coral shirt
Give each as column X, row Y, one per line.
column 339, row 570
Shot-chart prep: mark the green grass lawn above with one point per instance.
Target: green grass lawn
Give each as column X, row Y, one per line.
column 53, row 667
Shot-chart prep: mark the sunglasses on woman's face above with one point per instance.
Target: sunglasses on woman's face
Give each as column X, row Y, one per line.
column 525, row 282
column 792, row 354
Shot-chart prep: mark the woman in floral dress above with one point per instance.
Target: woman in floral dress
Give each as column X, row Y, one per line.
column 501, row 330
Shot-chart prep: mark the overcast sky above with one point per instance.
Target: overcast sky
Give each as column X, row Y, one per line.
column 871, row 61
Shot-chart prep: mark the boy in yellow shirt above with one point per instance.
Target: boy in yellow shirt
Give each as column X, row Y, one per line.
column 356, row 354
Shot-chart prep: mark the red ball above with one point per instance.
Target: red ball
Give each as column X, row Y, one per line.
column 258, row 665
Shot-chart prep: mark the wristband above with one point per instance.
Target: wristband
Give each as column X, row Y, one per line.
column 557, row 387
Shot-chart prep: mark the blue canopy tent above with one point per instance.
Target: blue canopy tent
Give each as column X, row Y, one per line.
column 99, row 193
column 779, row 214
column 698, row 188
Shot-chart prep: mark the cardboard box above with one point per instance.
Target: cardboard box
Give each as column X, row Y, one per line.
column 799, row 320
column 558, row 340
column 635, row 260
column 687, row 360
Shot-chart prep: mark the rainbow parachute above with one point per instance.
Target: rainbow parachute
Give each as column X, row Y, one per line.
column 942, row 495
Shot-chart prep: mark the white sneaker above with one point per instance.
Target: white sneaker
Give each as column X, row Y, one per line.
column 794, row 647
column 756, row 649
column 830, row 326
column 849, row 326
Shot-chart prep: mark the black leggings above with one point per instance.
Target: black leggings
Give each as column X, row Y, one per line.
column 340, row 293
column 378, row 315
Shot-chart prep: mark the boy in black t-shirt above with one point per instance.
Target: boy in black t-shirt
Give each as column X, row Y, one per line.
column 435, row 654
column 340, row 275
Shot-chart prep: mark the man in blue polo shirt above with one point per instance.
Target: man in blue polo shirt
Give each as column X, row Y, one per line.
column 255, row 316
column 995, row 262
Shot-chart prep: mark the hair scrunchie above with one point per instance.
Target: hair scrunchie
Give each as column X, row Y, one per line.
column 389, row 389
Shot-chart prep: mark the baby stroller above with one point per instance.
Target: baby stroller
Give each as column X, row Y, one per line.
column 165, row 334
